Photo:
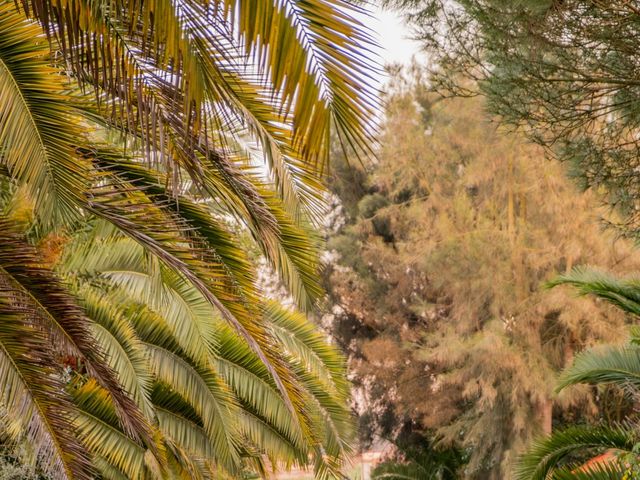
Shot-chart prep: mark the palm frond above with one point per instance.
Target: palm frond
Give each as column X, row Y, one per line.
column 267, row 440
column 551, row 453
column 209, row 397
column 149, row 225
column 624, row 294
column 189, row 342
column 331, row 420
column 184, row 464
column 56, row 311
column 168, row 326
column 184, row 431
column 311, row 60
column 123, row 349
column 307, row 344
column 107, row 470
column 611, row 469
column 261, row 399
column 219, row 239
column 317, row 50
column 99, row 430
column 610, row 364
column 291, row 247
column 33, row 393
column 39, row 125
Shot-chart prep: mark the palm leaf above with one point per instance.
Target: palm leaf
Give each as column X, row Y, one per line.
column 123, row 349
column 209, row 397
column 99, row 430
column 331, row 420
column 550, row 453
column 56, row 311
column 185, row 333
column 608, row 470
column 33, row 393
column 310, row 58
column 611, row 364
column 624, row 294
column 149, row 225
column 38, row 121
column 308, row 345
column 316, row 47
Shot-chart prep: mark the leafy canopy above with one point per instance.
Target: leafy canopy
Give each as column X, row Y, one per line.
column 563, row 70
column 152, row 120
column 441, row 257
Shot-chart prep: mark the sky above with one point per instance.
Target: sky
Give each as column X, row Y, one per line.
column 393, row 37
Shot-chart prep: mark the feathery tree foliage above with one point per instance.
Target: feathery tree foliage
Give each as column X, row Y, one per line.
column 437, row 285
column 564, row 452
column 156, row 119
column 565, row 70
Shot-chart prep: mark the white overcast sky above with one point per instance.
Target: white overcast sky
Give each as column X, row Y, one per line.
column 393, row 36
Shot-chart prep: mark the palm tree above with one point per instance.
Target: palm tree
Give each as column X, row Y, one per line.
column 213, row 401
column 565, row 453
column 153, row 118
column 209, row 405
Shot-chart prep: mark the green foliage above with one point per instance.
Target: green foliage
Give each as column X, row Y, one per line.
column 623, row 293
column 417, row 459
column 134, row 340
column 370, row 204
column 548, row 454
column 564, row 71
column 604, row 365
column 15, row 465
column 211, row 394
column 566, row 451
column 191, row 399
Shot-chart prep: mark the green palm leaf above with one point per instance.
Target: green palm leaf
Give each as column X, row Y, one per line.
column 57, row 312
column 179, row 371
column 33, row 393
column 208, row 395
column 624, row 294
column 305, row 343
column 177, row 321
column 123, row 349
column 610, row 470
column 38, row 121
column 309, row 58
column 551, row 453
column 617, row 365
column 99, row 430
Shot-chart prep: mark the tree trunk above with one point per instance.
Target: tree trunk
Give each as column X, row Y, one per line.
column 546, row 416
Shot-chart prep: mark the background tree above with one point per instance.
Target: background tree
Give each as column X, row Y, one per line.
column 437, row 285
column 565, row 70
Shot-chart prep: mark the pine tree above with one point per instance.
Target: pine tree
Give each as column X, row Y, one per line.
column 563, row 70
column 437, row 286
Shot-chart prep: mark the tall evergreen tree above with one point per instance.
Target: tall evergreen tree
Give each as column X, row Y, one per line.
column 437, row 283
column 564, row 70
